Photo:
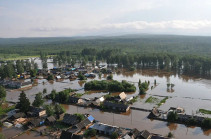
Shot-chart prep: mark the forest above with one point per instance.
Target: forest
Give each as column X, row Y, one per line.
column 181, row 54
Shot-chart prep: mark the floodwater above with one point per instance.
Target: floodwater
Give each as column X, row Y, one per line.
column 189, row 92
column 139, row 120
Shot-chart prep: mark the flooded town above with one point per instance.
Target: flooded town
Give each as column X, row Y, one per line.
column 128, row 114
column 105, row 69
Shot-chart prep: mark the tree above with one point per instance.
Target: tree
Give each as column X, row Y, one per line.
column 35, row 66
column 53, row 94
column 114, row 135
column 2, row 136
column 38, row 100
column 44, row 91
column 50, row 77
column 170, row 135
column 110, row 77
column 90, row 133
column 23, row 103
column 19, row 66
column 3, row 92
column 49, row 110
column 172, row 116
column 80, row 117
column 33, row 72
column 81, row 76
column 59, row 109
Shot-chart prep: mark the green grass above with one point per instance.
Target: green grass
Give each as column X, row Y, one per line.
column 134, row 100
column 6, row 110
column 204, row 111
column 15, row 57
column 79, row 95
column 152, row 100
column 162, row 101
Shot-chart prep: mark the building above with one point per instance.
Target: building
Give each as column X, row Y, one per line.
column 36, row 112
column 26, row 84
column 116, row 106
column 75, row 100
column 136, row 134
column 70, row 120
column 69, row 135
column 36, row 122
column 50, row 120
column 18, row 115
column 97, row 101
column 122, row 96
column 104, row 129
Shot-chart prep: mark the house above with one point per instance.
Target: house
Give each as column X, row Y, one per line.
column 60, row 116
column 82, row 125
column 70, row 119
column 50, row 120
column 104, row 129
column 69, row 135
column 58, row 77
column 18, row 115
column 75, row 100
column 144, row 135
column 136, row 134
column 155, row 112
column 36, row 112
column 20, row 121
column 97, row 101
column 90, row 75
column 83, row 70
column 122, row 96
column 116, row 106
column 157, row 136
column 36, row 122
column 26, row 84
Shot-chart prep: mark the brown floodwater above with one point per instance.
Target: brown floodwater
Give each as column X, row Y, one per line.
column 139, row 120
column 189, row 92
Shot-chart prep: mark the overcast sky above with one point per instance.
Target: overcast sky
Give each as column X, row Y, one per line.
column 48, row 18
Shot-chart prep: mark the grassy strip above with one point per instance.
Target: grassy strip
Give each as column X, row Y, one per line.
column 133, row 100
column 162, row 101
column 15, row 57
column 79, row 95
column 6, row 110
column 204, row 111
column 151, row 100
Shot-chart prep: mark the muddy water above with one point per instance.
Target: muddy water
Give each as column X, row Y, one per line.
column 139, row 120
column 188, row 92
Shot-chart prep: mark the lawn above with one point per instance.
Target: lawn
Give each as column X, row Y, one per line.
column 205, row 111
column 152, row 100
column 162, row 101
column 6, row 110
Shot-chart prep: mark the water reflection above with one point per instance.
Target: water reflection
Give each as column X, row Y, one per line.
column 172, row 126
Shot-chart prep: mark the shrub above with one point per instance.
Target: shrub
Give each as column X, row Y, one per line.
column 172, row 116
column 90, row 133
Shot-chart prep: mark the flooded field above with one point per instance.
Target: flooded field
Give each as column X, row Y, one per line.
column 189, row 92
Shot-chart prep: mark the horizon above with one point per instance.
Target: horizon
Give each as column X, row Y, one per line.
column 28, row 18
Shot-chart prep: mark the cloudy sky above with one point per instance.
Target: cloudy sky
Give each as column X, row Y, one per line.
column 48, row 18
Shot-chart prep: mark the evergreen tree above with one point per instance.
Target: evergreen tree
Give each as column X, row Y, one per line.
column 23, row 103
column 38, row 100
column 44, row 91
column 3, row 92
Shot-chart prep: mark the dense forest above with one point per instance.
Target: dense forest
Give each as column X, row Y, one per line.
column 181, row 54
column 135, row 44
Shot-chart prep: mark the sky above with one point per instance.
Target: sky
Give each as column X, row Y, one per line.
column 65, row 18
